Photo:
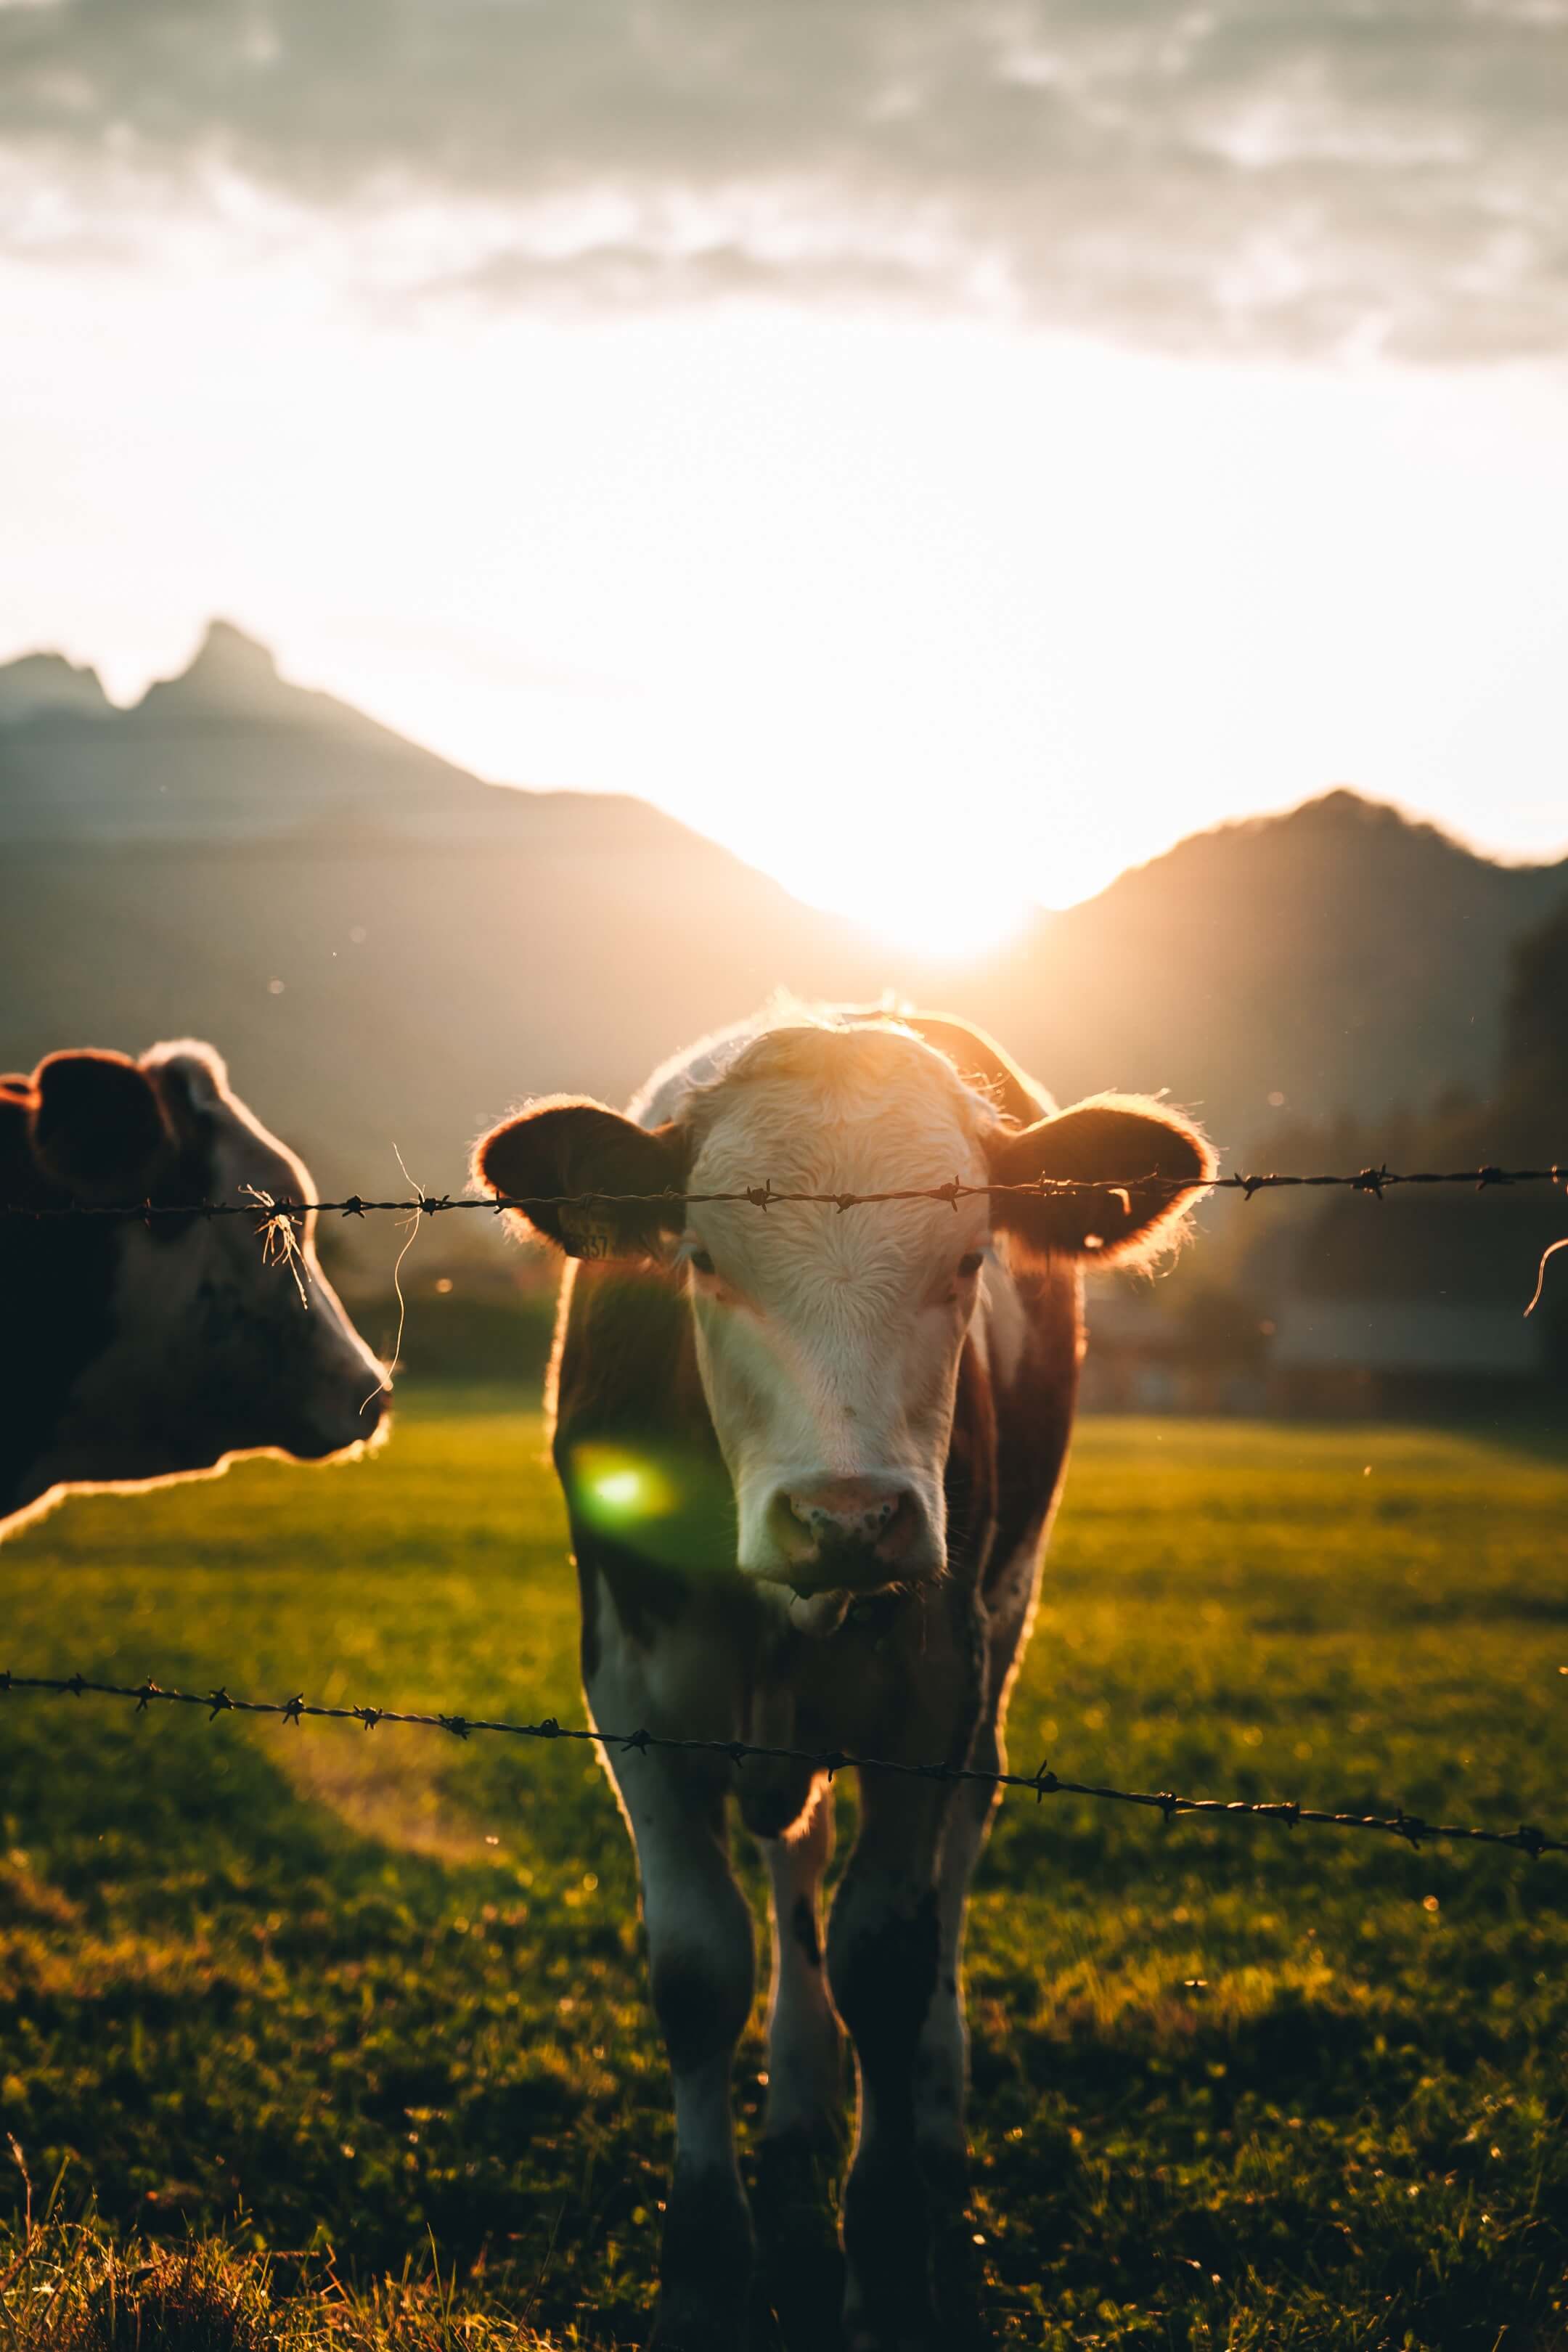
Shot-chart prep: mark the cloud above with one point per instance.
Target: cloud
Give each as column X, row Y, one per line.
column 1293, row 175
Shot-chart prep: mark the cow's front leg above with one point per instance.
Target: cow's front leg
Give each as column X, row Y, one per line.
column 883, row 1957
column 944, row 2042
column 803, row 2139
column 702, row 1969
column 806, row 2062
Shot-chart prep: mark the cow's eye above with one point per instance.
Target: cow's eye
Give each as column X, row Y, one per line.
column 971, row 1263
column 702, row 1260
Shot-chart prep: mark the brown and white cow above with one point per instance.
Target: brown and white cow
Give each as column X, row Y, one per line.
column 141, row 1352
column 810, row 1458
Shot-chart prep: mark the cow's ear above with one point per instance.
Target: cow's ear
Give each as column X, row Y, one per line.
column 574, row 1148
column 98, row 1127
column 1121, row 1137
column 192, row 1083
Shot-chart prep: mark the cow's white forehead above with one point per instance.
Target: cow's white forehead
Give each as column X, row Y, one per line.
column 852, row 1110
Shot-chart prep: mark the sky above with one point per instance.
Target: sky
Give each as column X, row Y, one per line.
column 944, row 450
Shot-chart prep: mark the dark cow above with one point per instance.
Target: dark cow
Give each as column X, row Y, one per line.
column 140, row 1351
column 810, row 1458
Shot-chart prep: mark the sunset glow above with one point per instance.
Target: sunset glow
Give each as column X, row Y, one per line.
column 937, row 588
column 885, row 683
column 930, row 622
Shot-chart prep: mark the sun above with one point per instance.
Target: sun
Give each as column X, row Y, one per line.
column 946, row 912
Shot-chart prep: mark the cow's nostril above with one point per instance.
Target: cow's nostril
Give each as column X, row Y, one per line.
column 786, row 1526
column 898, row 1529
column 843, row 1514
column 818, row 1516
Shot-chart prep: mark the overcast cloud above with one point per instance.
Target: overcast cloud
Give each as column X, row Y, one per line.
column 1248, row 175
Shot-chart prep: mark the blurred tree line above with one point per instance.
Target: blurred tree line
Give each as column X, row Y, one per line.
column 479, row 1310
column 1447, row 1243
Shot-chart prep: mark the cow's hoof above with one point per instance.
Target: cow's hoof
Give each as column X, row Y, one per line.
column 888, row 2227
column 697, row 2331
column 895, row 2328
column 802, row 2264
column 705, row 2264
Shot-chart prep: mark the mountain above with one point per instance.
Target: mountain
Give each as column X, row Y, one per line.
column 40, row 683
column 391, row 951
column 1340, row 958
column 231, row 753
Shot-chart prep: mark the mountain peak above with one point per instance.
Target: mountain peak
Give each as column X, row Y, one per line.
column 230, row 670
column 227, row 652
column 1346, row 810
column 42, row 682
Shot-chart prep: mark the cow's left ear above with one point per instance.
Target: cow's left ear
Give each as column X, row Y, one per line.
column 559, row 1158
column 98, row 1127
column 1123, row 1137
column 192, row 1083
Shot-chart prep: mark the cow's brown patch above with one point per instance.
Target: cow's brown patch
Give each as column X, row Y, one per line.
column 979, row 1060
column 57, row 1275
column 1034, row 1410
column 626, row 1380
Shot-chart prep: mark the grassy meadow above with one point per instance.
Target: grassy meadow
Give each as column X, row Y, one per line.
column 361, row 2014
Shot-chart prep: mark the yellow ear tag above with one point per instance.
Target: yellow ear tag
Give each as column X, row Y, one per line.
column 586, row 1235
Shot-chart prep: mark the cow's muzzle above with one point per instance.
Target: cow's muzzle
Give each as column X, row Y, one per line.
column 849, row 1535
column 336, row 1424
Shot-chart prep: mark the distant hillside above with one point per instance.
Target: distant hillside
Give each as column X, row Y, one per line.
column 41, row 683
column 390, row 951
column 1341, row 958
column 229, row 753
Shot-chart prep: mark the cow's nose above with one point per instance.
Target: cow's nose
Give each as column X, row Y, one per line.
column 848, row 1531
column 846, row 1510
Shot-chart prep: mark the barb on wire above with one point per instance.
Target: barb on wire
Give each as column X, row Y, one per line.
column 1375, row 1181
column 1411, row 1828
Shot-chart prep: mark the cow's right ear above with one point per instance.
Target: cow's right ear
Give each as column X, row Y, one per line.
column 571, row 1148
column 98, row 1127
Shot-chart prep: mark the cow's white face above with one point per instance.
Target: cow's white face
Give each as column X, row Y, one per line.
column 220, row 1341
column 828, row 1340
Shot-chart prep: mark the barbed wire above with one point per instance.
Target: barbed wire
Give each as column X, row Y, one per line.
column 1373, row 1180
column 1411, row 1828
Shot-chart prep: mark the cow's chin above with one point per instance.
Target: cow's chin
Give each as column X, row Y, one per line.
column 818, row 1614
column 340, row 1426
column 806, row 1596
column 337, row 1441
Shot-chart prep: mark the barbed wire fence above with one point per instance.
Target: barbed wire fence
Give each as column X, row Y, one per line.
column 274, row 1215
column 1413, row 1829
column 270, row 1211
column 1375, row 1181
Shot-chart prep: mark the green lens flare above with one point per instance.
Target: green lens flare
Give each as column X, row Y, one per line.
column 619, row 1490
column 669, row 1504
column 616, row 1489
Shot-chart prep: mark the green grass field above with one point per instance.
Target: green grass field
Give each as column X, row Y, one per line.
column 321, row 1989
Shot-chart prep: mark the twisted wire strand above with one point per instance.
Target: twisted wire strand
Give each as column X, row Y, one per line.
column 1411, row 1828
column 1373, row 1180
